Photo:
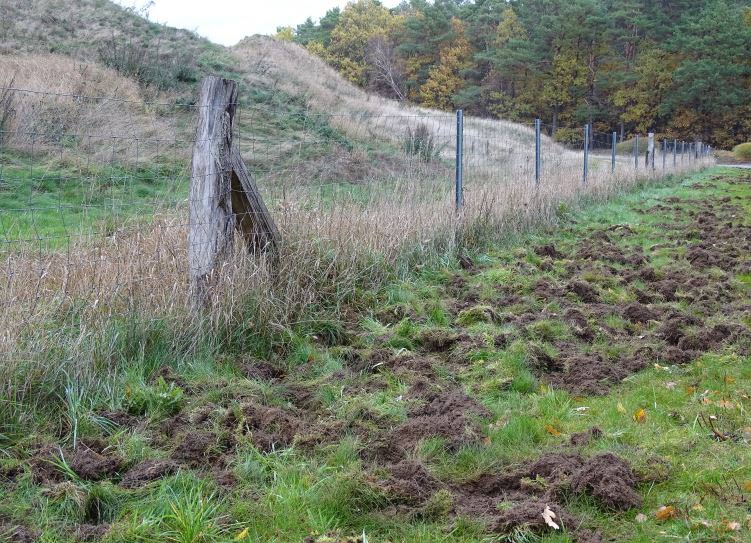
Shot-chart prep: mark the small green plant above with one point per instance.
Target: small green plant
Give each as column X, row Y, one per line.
column 193, row 518
column 743, row 151
column 161, row 399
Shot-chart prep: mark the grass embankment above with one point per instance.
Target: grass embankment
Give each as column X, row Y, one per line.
column 456, row 406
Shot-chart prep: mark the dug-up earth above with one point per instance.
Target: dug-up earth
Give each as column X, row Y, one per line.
column 586, row 384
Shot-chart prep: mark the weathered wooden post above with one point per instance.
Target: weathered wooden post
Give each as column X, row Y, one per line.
column 223, row 195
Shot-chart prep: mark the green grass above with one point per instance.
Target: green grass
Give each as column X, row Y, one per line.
column 329, row 492
column 54, row 201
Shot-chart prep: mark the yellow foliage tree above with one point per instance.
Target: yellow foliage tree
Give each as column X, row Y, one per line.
column 509, row 28
column 444, row 80
column 361, row 22
column 285, row 33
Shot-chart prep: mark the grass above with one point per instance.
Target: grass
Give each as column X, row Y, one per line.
column 329, row 492
column 53, row 202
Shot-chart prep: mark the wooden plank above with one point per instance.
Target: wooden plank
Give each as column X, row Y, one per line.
column 253, row 218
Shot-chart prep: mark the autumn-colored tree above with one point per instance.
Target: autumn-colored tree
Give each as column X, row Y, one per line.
column 444, row 80
column 360, row 23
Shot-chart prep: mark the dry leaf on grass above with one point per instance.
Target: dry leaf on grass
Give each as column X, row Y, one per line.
column 666, row 512
column 548, row 515
column 640, row 416
column 552, row 430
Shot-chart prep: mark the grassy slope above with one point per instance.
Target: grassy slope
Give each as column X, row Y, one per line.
column 333, row 488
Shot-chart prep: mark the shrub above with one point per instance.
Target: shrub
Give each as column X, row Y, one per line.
column 743, row 151
column 569, row 136
column 420, row 142
column 158, row 400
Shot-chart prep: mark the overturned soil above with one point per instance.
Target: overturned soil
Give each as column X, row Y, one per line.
column 581, row 314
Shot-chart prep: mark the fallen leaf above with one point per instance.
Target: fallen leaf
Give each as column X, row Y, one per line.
column 729, row 380
column 242, row 535
column 732, row 526
column 747, row 486
column 552, row 430
column 666, row 512
column 697, row 507
column 640, row 416
column 548, row 515
column 620, row 408
column 705, row 400
column 690, row 390
column 640, row 518
column 704, row 523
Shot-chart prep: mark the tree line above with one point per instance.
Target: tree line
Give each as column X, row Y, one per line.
column 681, row 68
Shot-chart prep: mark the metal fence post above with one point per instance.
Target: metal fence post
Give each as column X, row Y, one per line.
column 612, row 152
column 586, row 152
column 683, row 150
column 537, row 151
column 675, row 151
column 650, row 150
column 664, row 153
column 459, row 188
column 636, row 152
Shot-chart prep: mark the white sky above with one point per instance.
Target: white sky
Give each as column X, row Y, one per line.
column 228, row 21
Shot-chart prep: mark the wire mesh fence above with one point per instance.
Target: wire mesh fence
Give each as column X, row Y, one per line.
column 94, row 199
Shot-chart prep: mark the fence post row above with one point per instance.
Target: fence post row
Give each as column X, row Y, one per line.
column 664, row 152
column 459, row 188
column 612, row 152
column 586, row 152
column 223, row 194
column 538, row 160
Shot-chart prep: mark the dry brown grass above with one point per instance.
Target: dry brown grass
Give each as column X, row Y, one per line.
column 65, row 104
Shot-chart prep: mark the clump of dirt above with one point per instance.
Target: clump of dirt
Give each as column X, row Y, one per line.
column 90, row 465
column 148, row 471
column 667, row 288
column 579, row 439
column 586, row 292
column 610, row 480
column 548, row 250
column 547, row 290
column 593, row 374
column 196, row 449
column 528, row 514
column 435, row 340
column 269, row 427
column 409, row 483
column 639, row 313
column 449, row 415
column 542, row 362
column 579, row 324
column 260, row 370
column 673, row 327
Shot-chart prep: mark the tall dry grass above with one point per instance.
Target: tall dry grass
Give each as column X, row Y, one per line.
column 89, row 311
column 66, row 104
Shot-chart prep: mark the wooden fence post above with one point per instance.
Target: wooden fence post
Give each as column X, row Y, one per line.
column 223, row 195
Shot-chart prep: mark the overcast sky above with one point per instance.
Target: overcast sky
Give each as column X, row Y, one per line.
column 228, row 21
